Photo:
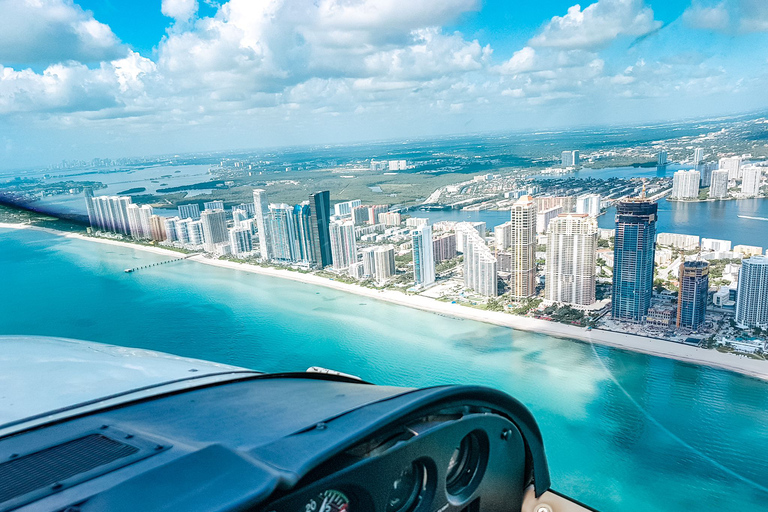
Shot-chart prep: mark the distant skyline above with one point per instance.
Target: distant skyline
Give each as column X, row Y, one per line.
column 97, row 78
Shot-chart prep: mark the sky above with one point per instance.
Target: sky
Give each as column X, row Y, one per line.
column 110, row 78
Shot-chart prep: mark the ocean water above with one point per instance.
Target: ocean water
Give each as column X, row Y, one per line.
column 623, row 431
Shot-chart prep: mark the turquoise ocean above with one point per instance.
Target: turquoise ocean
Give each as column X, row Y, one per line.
column 623, row 431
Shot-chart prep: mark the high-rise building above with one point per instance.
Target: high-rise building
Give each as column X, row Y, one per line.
column 633, row 256
column 390, row 218
column 360, row 215
column 714, row 244
column 157, row 228
column 543, row 218
column 571, row 259
column 480, row 266
column 569, row 158
column 685, row 184
column 731, row 164
column 134, row 222
column 416, row 222
column 190, row 211
column 698, row 156
column 240, row 241
column 706, row 170
column 444, row 247
column 423, row 257
column 345, row 209
column 88, row 194
column 502, row 235
column 238, row 217
column 693, row 293
column 320, row 218
column 282, row 227
column 343, row 245
column 170, row 224
column 145, row 216
column 752, row 293
column 374, row 211
column 522, row 246
column 213, row 205
column 248, row 208
column 384, row 263
column 196, row 232
column 718, row 189
column 662, row 158
column 589, row 204
column 369, row 261
column 110, row 213
column 750, row 184
column 214, row 223
column 568, row 203
column 302, row 216
column 261, row 206
column 679, row 241
column 182, row 230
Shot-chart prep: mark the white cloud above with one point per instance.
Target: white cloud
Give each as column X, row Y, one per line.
column 714, row 17
column 728, row 16
column 48, row 31
column 597, row 25
column 180, row 10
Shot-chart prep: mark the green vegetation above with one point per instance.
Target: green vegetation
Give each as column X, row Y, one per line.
column 526, row 305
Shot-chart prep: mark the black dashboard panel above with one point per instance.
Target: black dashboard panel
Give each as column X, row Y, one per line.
column 303, row 443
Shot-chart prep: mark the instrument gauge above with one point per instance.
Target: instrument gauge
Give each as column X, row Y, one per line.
column 328, row 501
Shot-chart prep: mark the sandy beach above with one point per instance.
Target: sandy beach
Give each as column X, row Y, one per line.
column 694, row 355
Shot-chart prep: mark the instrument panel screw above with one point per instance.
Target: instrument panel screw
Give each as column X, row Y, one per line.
column 505, row 435
column 57, row 486
column 159, row 447
column 104, row 427
column 543, row 508
column 321, row 426
column 13, row 455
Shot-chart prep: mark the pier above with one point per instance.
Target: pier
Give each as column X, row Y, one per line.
column 134, row 269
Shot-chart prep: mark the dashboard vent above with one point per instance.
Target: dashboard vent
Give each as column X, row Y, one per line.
column 30, row 476
column 47, row 467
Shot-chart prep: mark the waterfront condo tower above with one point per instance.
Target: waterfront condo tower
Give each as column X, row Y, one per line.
column 261, row 205
column 752, row 293
column 633, row 253
column 423, row 256
column 320, row 219
column 692, row 298
column 571, row 259
column 522, row 247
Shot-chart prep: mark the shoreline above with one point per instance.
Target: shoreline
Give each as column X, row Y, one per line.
column 630, row 342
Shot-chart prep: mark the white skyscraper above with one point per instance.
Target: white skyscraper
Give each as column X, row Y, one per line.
column 731, row 164
column 571, row 257
column 685, row 184
column 503, row 235
column 343, row 245
column 718, row 188
column 543, row 217
column 384, row 263
column 662, row 157
column 423, row 256
column 345, row 209
column 214, row 205
column 480, row 266
column 589, row 204
column 262, row 212
column 145, row 216
column 752, row 293
column 240, row 241
column 214, row 224
column 170, row 228
column 282, row 229
column 189, row 211
column 182, row 230
column 369, row 261
column 523, row 248
column 698, row 156
column 196, row 232
column 750, row 184
column 134, row 221
column 110, row 213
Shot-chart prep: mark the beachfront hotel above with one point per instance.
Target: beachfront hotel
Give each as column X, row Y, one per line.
column 633, row 254
column 423, row 256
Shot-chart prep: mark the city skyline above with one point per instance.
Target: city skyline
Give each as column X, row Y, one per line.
column 120, row 83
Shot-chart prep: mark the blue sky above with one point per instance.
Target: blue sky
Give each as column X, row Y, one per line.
column 100, row 78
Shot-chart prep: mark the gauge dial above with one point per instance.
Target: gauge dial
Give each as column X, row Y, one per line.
column 328, row 501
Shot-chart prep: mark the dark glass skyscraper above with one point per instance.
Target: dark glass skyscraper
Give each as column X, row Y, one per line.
column 320, row 219
column 633, row 255
column 692, row 298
